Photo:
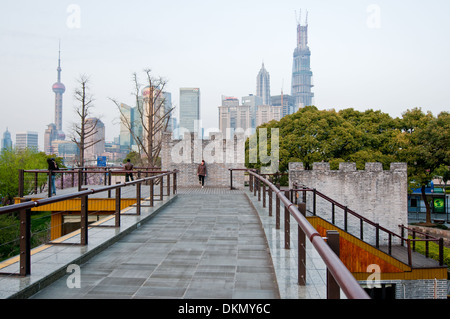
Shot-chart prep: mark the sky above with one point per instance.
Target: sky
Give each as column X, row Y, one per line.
column 377, row 54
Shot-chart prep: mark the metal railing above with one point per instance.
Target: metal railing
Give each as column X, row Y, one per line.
column 41, row 178
column 26, row 205
column 338, row 276
column 427, row 238
column 378, row 229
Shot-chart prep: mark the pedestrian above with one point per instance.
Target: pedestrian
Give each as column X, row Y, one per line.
column 201, row 172
column 129, row 168
column 52, row 166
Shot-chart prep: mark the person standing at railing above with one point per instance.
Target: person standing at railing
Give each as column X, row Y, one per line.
column 128, row 167
column 201, row 172
column 52, row 166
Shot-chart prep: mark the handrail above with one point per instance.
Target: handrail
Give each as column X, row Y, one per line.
column 55, row 199
column 378, row 227
column 340, row 273
column 24, row 210
column 82, row 173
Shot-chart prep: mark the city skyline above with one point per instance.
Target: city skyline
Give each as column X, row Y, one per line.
column 366, row 54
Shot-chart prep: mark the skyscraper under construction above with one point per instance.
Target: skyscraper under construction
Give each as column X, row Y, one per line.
column 301, row 68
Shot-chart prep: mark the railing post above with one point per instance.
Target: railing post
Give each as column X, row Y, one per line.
column 277, row 212
column 109, row 182
column 270, row 201
column 301, row 249
column 441, row 251
column 332, row 213
column 25, row 240
column 35, row 184
column 345, row 218
column 314, row 201
column 168, row 184
column 161, row 188
column 174, row 182
column 21, row 183
column 138, row 198
column 259, row 190
column 408, row 242
column 264, row 195
column 250, row 182
column 231, row 179
column 377, row 235
column 80, row 179
column 84, row 220
column 151, row 192
column 287, row 225
column 333, row 290
column 117, row 211
column 49, row 179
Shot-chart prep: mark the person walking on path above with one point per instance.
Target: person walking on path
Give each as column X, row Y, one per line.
column 201, row 172
column 128, row 167
column 52, row 166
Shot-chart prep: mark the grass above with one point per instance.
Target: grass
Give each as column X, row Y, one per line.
column 433, row 251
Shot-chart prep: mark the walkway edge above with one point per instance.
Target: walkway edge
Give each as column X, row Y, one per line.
column 256, row 211
column 48, row 279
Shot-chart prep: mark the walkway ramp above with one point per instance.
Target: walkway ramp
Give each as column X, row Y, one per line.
column 208, row 243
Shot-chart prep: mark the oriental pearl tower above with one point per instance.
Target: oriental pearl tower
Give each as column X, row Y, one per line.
column 59, row 90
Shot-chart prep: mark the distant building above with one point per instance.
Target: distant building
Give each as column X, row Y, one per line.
column 263, row 86
column 50, row 135
column 301, row 69
column 67, row 150
column 246, row 117
column 190, row 109
column 96, row 139
column 286, row 102
column 6, row 140
column 27, row 140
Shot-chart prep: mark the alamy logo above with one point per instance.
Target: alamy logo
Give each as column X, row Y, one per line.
column 74, row 279
column 231, row 150
column 74, row 19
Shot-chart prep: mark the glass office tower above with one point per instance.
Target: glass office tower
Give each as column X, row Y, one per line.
column 190, row 109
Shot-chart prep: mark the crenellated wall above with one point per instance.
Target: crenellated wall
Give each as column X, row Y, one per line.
column 377, row 194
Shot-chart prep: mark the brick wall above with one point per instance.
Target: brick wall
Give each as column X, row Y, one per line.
column 376, row 194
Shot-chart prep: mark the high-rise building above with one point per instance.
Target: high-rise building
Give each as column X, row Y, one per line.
column 95, row 139
column 50, row 135
column 286, row 102
column 263, row 85
column 6, row 140
column 301, row 69
column 27, row 140
column 190, row 109
column 59, row 90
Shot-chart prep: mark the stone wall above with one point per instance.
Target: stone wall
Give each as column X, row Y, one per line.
column 220, row 155
column 378, row 195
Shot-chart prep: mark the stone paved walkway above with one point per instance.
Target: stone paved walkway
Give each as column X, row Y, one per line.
column 206, row 244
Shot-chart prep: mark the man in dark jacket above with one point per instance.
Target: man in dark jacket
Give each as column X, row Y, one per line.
column 201, row 172
column 52, row 166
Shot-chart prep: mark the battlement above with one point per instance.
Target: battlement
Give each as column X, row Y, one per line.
column 349, row 167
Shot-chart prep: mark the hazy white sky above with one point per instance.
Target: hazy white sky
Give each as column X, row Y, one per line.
column 384, row 55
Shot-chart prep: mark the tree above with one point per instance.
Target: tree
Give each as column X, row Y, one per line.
column 152, row 117
column 86, row 128
column 311, row 135
column 11, row 160
column 428, row 148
